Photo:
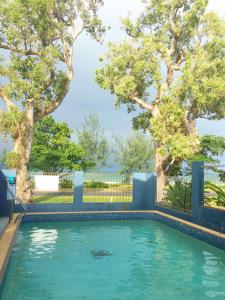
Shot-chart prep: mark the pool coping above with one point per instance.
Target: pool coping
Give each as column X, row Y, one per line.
column 204, row 234
column 4, row 221
column 6, row 243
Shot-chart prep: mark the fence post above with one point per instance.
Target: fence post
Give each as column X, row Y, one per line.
column 197, row 190
column 144, row 191
column 8, row 173
column 78, row 188
column 151, row 188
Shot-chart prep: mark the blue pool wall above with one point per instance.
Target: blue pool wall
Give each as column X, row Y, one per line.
column 144, row 198
column 4, row 203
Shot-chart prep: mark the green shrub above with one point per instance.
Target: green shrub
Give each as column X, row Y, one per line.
column 66, row 184
column 96, row 185
column 178, row 195
column 218, row 197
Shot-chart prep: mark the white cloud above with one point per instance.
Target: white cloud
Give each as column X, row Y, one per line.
column 218, row 6
column 113, row 11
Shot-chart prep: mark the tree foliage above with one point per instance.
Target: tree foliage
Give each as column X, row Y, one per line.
column 53, row 150
column 212, row 149
column 38, row 37
column 135, row 154
column 92, row 139
column 36, row 67
column 172, row 65
column 3, row 157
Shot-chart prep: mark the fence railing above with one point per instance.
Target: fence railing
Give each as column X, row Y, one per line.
column 52, row 187
column 114, row 188
column 177, row 194
column 214, row 186
column 107, row 187
column 98, row 187
column 197, row 193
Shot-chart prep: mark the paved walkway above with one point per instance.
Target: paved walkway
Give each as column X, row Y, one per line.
column 3, row 224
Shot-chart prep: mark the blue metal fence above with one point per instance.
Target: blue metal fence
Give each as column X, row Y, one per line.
column 106, row 188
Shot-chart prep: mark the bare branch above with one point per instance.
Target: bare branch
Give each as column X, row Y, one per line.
column 79, row 32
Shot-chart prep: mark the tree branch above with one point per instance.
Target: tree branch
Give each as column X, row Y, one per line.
column 171, row 67
column 8, row 102
column 172, row 23
column 50, row 108
column 20, row 51
column 142, row 103
column 79, row 32
column 53, row 105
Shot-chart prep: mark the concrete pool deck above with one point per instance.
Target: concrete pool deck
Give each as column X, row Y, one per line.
column 8, row 237
column 3, row 223
column 6, row 243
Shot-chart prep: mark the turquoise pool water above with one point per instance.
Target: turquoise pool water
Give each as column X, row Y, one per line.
column 112, row 260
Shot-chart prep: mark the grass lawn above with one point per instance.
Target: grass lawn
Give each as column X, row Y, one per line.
column 87, row 199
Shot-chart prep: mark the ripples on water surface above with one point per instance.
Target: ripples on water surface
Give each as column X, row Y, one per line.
column 148, row 260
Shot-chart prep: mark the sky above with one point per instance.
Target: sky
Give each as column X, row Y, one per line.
column 85, row 96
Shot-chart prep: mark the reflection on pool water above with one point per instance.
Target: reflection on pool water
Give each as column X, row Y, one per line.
column 111, row 260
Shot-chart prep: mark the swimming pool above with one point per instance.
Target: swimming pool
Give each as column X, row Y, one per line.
column 94, row 260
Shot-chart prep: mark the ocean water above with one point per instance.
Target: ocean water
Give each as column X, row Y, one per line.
column 112, row 260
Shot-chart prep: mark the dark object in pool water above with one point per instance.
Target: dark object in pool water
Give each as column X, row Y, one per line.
column 100, row 253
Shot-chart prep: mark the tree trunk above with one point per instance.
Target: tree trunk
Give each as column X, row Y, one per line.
column 23, row 185
column 161, row 177
column 22, row 148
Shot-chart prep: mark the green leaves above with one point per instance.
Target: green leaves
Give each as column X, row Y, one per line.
column 214, row 195
column 135, row 154
column 53, row 150
column 92, row 139
column 211, row 149
column 178, row 194
column 130, row 70
column 10, row 121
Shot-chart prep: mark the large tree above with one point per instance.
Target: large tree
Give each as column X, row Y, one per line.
column 172, row 65
column 36, row 39
column 92, row 139
column 53, row 150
